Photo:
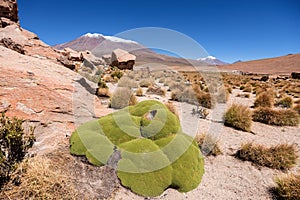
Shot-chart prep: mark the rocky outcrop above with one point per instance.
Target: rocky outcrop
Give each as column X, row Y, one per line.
column 9, row 43
column 296, row 75
column 8, row 13
column 122, row 59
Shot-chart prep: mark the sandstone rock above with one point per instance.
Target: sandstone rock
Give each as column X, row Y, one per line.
column 8, row 13
column 122, row 59
column 66, row 62
column 9, row 43
column 30, row 42
column 90, row 57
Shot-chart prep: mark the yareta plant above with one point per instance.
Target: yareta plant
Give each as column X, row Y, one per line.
column 146, row 146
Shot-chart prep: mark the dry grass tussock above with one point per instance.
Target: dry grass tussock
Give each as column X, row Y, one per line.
column 40, row 179
column 280, row 117
column 238, row 117
column 283, row 156
column 264, row 99
column 122, row 97
column 288, row 187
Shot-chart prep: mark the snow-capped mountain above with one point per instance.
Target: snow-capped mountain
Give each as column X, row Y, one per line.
column 111, row 38
column 101, row 45
column 211, row 60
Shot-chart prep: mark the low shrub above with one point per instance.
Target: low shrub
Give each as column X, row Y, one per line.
column 288, row 187
column 14, row 143
column 176, row 95
column 146, row 82
column 102, row 84
column 208, row 144
column 238, row 117
column 122, row 97
column 127, row 82
column 285, row 102
column 156, row 90
column 117, row 74
column 265, row 99
column 205, row 100
column 247, row 88
column 283, row 156
column 139, row 92
column 282, row 117
column 297, row 108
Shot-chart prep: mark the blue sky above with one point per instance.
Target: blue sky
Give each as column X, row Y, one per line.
column 228, row 29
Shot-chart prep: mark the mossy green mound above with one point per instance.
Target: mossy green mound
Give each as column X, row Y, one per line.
column 155, row 154
column 186, row 161
column 144, row 168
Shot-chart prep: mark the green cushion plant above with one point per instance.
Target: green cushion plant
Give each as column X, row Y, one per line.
column 154, row 152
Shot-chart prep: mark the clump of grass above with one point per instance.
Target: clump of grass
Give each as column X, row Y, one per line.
column 127, row 82
column 205, row 99
column 122, row 97
column 285, row 102
column 176, row 94
column 146, row 82
column 288, row 187
column 156, row 90
column 282, row 156
column 247, row 88
column 172, row 108
column 208, row 144
column 297, row 108
column 139, row 92
column 282, row 117
column 265, row 99
column 238, row 117
column 41, row 180
column 229, row 89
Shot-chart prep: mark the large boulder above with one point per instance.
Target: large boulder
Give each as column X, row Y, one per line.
column 122, row 59
column 8, row 13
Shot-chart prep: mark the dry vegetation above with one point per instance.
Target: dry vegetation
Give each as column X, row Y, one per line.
column 40, row 179
column 283, row 156
column 288, row 187
column 280, row 117
column 122, row 97
column 238, row 117
column 208, row 144
column 264, row 99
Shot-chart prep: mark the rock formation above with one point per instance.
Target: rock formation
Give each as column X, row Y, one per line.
column 8, row 13
column 122, row 59
column 38, row 89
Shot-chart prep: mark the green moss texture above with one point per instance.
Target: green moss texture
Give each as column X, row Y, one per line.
column 154, row 152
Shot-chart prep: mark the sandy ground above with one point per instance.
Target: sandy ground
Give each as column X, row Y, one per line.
column 225, row 176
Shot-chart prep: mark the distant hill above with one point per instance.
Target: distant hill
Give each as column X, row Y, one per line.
column 101, row 45
column 278, row 65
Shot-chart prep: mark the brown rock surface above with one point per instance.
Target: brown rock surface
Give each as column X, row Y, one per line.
column 47, row 94
column 8, row 13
